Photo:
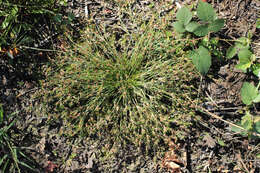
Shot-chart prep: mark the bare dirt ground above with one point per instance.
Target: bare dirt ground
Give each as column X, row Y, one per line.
column 207, row 146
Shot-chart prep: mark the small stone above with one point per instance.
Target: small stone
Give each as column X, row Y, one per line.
column 4, row 80
column 10, row 99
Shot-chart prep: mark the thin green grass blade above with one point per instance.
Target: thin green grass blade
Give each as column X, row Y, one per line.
column 3, row 158
column 14, row 155
column 27, row 166
column 1, row 114
column 5, row 166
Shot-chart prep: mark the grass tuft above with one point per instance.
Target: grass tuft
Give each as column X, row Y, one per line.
column 125, row 89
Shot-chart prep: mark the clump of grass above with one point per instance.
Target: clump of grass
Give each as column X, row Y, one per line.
column 125, row 89
column 12, row 159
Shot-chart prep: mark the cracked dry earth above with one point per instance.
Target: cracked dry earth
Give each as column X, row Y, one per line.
column 207, row 146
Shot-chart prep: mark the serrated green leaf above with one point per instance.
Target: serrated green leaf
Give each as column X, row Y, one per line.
column 191, row 26
column 257, row 99
column 184, row 15
column 231, row 52
column 205, row 12
column 248, row 93
column 216, row 25
column 179, row 27
column 201, row 30
column 201, row 59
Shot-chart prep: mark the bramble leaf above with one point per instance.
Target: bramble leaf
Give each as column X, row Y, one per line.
column 231, row 52
column 201, row 30
column 248, row 93
column 216, row 25
column 206, row 12
column 179, row 27
column 201, row 59
column 184, row 15
column 245, row 62
column 191, row 26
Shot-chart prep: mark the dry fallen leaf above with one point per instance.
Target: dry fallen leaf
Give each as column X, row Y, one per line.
column 170, row 160
column 209, row 141
column 175, row 168
column 50, row 167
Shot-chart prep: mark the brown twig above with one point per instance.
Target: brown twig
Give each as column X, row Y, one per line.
column 218, row 117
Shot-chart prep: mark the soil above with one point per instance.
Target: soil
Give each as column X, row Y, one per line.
column 207, row 146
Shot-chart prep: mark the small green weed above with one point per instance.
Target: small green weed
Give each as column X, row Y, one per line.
column 249, row 93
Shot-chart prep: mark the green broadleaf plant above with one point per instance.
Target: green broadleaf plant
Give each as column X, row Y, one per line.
column 201, row 59
column 184, row 15
column 249, row 93
column 205, row 12
column 201, row 30
column 216, row 25
column 179, row 27
column 190, row 27
column 246, row 59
